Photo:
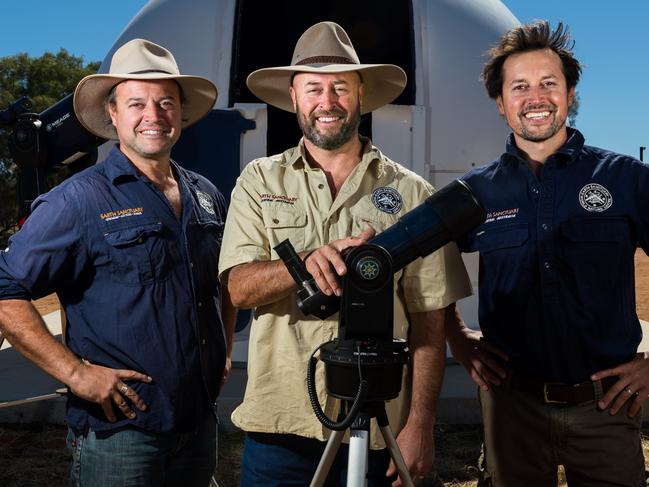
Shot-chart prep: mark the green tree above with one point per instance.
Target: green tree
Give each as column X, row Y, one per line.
column 45, row 80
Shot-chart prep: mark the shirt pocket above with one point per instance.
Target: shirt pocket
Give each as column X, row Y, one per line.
column 138, row 253
column 504, row 237
column 365, row 215
column 597, row 251
column 504, row 254
column 208, row 240
column 283, row 223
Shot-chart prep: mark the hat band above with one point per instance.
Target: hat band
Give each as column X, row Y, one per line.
column 151, row 71
column 325, row 60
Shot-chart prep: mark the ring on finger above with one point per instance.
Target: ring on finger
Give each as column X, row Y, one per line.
column 629, row 391
column 123, row 389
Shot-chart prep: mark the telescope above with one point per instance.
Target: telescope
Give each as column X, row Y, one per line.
column 364, row 365
column 365, row 337
column 51, row 138
column 42, row 142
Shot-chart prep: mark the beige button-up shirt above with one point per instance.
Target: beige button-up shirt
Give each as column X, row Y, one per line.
column 283, row 197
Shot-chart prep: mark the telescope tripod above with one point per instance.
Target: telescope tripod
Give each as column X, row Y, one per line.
column 359, row 445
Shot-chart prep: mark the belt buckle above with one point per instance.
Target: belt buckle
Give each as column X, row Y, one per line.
column 545, row 393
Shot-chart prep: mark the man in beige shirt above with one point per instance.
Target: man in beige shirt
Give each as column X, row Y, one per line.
column 333, row 191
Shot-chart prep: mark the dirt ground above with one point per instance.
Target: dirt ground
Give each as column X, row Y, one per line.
column 35, row 456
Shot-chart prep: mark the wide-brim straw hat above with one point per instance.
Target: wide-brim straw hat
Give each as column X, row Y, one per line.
column 325, row 48
column 139, row 59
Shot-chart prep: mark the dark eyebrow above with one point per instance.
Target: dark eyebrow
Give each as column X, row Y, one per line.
column 523, row 80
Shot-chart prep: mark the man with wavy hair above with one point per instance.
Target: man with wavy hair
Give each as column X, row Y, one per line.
column 560, row 381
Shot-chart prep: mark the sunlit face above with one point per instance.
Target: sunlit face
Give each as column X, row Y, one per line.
column 328, row 107
column 147, row 117
column 535, row 98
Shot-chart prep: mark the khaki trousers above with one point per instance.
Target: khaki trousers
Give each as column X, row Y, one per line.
column 525, row 440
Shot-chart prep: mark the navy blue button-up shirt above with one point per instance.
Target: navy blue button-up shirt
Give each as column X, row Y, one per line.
column 139, row 286
column 556, row 283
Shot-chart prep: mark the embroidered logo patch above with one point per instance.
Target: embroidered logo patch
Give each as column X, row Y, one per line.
column 206, row 202
column 494, row 216
column 278, row 198
column 595, row 197
column 123, row 213
column 387, row 199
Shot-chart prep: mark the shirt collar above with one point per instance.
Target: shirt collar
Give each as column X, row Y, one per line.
column 371, row 156
column 119, row 166
column 567, row 153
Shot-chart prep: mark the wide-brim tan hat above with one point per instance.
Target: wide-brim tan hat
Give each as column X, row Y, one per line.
column 139, row 59
column 325, row 48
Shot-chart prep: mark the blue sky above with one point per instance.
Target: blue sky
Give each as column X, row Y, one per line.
column 611, row 41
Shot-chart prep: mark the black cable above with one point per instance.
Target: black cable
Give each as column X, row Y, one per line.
column 313, row 396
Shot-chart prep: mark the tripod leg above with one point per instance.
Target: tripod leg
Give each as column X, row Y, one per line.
column 395, row 453
column 359, row 444
column 327, row 459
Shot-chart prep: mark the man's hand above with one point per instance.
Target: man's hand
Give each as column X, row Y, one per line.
column 480, row 359
column 632, row 384
column 106, row 386
column 26, row 331
column 226, row 371
column 418, row 450
column 326, row 263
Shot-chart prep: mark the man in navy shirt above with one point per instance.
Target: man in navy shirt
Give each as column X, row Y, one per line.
column 131, row 248
column 560, row 381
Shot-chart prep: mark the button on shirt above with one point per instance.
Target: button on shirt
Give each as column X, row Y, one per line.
column 283, row 197
column 557, row 287
column 108, row 242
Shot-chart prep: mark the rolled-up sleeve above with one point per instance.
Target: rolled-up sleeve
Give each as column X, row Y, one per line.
column 435, row 281
column 438, row 279
column 244, row 239
column 45, row 253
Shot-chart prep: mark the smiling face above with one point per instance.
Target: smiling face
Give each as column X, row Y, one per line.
column 328, row 107
column 535, row 98
column 147, row 117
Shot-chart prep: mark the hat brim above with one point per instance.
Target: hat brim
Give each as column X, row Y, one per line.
column 383, row 83
column 90, row 96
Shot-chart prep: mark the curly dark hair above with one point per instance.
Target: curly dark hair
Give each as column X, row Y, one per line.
column 530, row 37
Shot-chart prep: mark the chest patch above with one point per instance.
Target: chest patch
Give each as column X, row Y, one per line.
column 387, row 199
column 206, row 202
column 595, row 197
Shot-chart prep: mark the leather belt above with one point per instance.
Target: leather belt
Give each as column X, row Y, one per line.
column 560, row 394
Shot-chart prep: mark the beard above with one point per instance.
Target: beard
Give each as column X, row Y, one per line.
column 332, row 141
column 536, row 136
